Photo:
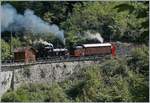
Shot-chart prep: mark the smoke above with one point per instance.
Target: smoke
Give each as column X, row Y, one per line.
column 94, row 36
column 12, row 21
column 43, row 42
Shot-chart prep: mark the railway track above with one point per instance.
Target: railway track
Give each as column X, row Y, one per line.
column 57, row 60
column 121, row 51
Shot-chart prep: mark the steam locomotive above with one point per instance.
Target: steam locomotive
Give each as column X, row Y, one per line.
column 48, row 51
column 80, row 50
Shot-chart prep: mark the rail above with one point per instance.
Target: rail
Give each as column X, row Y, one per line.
column 120, row 51
column 55, row 60
column 10, row 62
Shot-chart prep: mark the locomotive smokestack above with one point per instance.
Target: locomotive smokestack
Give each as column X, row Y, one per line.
column 27, row 22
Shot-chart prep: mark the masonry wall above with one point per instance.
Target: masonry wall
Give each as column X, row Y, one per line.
column 5, row 81
column 13, row 77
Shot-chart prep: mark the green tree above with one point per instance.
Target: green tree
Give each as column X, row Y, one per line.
column 104, row 18
column 141, row 12
column 138, row 87
column 112, row 81
column 36, row 93
column 56, row 94
column 140, row 60
column 5, row 50
column 15, row 42
column 10, row 96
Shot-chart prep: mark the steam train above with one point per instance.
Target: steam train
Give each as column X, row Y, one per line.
column 48, row 51
column 80, row 50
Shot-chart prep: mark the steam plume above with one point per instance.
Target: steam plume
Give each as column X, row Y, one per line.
column 94, row 36
column 43, row 42
column 12, row 21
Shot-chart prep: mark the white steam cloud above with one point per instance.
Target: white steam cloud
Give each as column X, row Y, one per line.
column 94, row 36
column 12, row 21
column 43, row 42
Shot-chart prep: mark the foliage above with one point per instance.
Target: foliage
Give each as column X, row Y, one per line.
column 139, row 87
column 5, row 50
column 104, row 18
column 9, row 96
column 56, row 94
column 98, row 85
column 124, row 21
column 8, row 47
column 56, row 11
column 141, row 12
column 140, row 60
column 112, row 81
column 35, row 92
column 15, row 42
column 124, row 79
column 140, row 64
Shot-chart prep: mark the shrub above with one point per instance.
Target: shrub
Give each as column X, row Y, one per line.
column 9, row 96
column 113, row 81
column 139, row 87
column 56, row 94
column 140, row 60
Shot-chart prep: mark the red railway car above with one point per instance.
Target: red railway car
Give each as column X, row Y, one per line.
column 94, row 49
column 77, row 51
column 26, row 54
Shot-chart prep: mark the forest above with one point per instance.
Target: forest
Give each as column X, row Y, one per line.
column 123, row 79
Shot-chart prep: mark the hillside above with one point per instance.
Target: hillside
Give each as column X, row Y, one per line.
column 44, row 57
column 113, row 80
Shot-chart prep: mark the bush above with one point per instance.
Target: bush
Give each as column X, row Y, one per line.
column 56, row 94
column 139, row 80
column 115, row 67
column 139, row 87
column 9, row 96
column 140, row 60
column 95, row 87
column 5, row 50
column 35, row 93
column 113, row 81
